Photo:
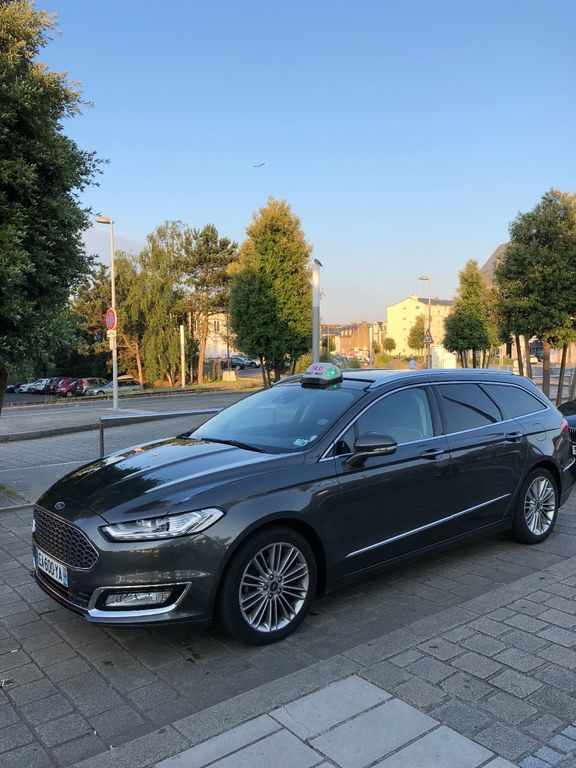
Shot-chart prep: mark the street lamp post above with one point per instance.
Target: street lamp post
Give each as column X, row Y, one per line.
column 316, row 310
column 108, row 220
column 426, row 279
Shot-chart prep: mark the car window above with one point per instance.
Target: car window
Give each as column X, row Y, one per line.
column 467, row 407
column 514, row 401
column 284, row 418
column 404, row 415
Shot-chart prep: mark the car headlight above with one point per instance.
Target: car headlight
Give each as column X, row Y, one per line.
column 166, row 527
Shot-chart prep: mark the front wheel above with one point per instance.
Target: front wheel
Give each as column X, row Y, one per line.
column 537, row 508
column 268, row 587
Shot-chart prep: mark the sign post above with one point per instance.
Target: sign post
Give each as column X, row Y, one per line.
column 428, row 341
column 111, row 321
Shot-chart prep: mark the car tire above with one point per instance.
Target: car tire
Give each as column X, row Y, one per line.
column 253, row 365
column 255, row 605
column 69, row 393
column 537, row 508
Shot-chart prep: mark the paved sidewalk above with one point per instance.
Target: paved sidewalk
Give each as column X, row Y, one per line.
column 488, row 684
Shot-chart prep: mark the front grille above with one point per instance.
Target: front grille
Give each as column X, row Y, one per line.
column 572, row 431
column 63, row 541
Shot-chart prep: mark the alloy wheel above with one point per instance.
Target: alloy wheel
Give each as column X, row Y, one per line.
column 273, row 587
column 540, row 505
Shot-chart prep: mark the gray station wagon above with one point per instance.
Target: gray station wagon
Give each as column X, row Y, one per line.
column 297, row 490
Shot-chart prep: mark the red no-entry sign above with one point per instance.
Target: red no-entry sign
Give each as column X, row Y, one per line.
column 110, row 319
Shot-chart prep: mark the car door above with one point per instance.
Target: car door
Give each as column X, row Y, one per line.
column 392, row 504
column 488, row 453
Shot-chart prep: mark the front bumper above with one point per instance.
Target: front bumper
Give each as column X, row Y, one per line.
column 188, row 567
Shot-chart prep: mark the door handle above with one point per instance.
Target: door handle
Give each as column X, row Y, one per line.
column 432, row 453
column 513, row 437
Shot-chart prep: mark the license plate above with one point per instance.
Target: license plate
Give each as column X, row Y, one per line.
column 52, row 567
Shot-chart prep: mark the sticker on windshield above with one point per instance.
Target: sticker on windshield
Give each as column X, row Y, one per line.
column 300, row 442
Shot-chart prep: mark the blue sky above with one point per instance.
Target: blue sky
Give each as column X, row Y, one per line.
column 406, row 135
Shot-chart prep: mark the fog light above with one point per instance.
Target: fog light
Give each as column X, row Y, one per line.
column 136, row 599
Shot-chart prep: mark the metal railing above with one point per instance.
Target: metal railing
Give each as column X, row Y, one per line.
column 119, row 419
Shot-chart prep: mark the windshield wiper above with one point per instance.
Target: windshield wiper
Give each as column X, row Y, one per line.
column 235, row 443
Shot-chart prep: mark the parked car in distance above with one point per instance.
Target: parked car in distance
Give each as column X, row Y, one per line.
column 325, row 477
column 85, row 384
column 39, row 386
column 26, row 386
column 125, row 384
column 14, row 387
column 52, row 386
column 67, row 387
column 236, row 361
column 251, row 362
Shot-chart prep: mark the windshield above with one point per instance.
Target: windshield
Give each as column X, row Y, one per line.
column 281, row 419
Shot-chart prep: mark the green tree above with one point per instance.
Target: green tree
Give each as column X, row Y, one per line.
column 389, row 344
column 156, row 302
column 88, row 307
column 271, row 296
column 542, row 247
column 471, row 325
column 42, row 172
column 416, row 334
column 206, row 265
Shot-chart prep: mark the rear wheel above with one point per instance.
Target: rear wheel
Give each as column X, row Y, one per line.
column 268, row 586
column 537, row 508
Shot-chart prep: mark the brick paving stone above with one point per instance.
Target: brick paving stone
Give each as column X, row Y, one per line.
column 459, row 634
column 8, row 715
column 550, row 756
column 98, row 701
column 561, row 604
column 53, row 654
column 557, row 676
column 75, row 751
column 527, row 623
column 440, row 648
column 552, row 700
column 559, row 618
column 30, row 756
column 63, row 729
column 462, row 717
column 110, row 724
column 367, row 738
column 488, row 627
column 518, row 659
column 430, row 669
column 420, row 693
column 46, row 709
column 560, row 636
column 505, row 741
column 509, row 708
column 476, row 665
column 533, row 762
column 543, row 726
column 528, row 607
column 559, row 655
column 39, row 689
column 67, row 669
column 385, row 674
column 466, row 687
column 570, row 732
column 516, row 683
column 13, row 736
column 562, row 743
column 487, row 646
column 406, row 658
column 517, row 638
column 281, row 749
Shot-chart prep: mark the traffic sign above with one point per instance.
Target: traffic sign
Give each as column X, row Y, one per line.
column 428, row 338
column 110, row 319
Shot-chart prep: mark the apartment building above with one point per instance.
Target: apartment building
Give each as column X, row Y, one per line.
column 402, row 316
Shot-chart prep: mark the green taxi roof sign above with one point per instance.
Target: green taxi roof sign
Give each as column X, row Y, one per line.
column 321, row 375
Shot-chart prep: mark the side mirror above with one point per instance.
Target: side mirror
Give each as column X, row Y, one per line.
column 371, row 444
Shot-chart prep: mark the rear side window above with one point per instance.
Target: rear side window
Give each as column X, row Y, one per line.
column 514, row 401
column 467, row 407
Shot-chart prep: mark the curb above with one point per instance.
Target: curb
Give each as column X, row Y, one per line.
column 47, row 432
